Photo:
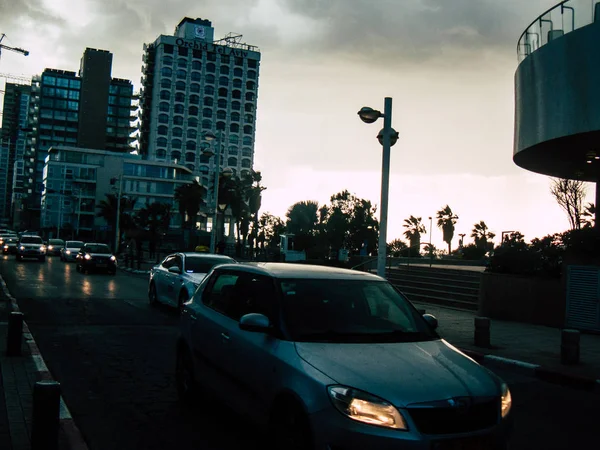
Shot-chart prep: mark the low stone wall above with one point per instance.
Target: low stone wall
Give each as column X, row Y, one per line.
column 539, row 301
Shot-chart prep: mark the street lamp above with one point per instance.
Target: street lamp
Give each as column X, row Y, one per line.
column 117, row 232
column 430, row 247
column 210, row 136
column 387, row 138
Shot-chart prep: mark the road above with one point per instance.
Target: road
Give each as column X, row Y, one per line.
column 113, row 355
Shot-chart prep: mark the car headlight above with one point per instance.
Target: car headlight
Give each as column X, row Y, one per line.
column 6, row 247
column 112, row 258
column 43, row 248
column 68, row 252
column 87, row 256
column 22, row 247
column 50, row 247
column 366, row 408
column 506, row 400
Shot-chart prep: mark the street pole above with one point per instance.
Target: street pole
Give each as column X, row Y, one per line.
column 213, row 237
column 385, row 182
column 61, row 203
column 117, row 233
column 79, row 213
column 430, row 248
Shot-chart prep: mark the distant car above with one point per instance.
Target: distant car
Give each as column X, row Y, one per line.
column 96, row 257
column 30, row 246
column 9, row 246
column 175, row 279
column 329, row 358
column 70, row 250
column 55, row 247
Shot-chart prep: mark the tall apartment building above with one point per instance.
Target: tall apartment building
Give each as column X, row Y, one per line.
column 87, row 109
column 192, row 84
column 13, row 140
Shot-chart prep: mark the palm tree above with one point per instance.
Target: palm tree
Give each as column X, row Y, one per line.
column 589, row 215
column 414, row 229
column 481, row 235
column 189, row 198
column 107, row 209
column 155, row 218
column 446, row 220
column 254, row 195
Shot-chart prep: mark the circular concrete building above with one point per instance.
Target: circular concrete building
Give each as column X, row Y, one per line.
column 557, row 93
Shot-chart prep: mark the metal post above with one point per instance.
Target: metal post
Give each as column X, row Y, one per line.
column 117, row 232
column 430, row 247
column 385, row 182
column 14, row 335
column 79, row 214
column 46, row 415
column 213, row 237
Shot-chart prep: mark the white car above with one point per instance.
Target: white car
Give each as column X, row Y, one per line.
column 176, row 278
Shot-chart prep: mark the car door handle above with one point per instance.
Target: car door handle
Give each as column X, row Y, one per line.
column 225, row 337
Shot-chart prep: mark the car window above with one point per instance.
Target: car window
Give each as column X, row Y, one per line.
column 99, row 248
column 31, row 240
column 219, row 293
column 202, row 264
column 252, row 294
column 169, row 261
column 178, row 261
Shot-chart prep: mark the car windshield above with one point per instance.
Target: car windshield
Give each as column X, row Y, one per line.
column 322, row 310
column 31, row 240
column 97, row 248
column 197, row 264
column 74, row 244
column 56, row 242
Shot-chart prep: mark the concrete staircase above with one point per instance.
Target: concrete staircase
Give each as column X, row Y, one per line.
column 441, row 286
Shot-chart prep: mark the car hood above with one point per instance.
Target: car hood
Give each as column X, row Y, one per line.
column 100, row 255
column 402, row 373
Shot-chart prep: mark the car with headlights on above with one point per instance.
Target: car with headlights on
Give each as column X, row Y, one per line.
column 9, row 245
column 30, row 246
column 329, row 358
column 54, row 247
column 69, row 252
column 175, row 279
column 96, row 257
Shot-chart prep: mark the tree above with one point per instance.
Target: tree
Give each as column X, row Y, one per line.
column 396, row 248
column 589, row 214
column 446, row 220
column 482, row 236
column 270, row 228
column 569, row 194
column 155, row 218
column 107, row 209
column 414, row 229
column 189, row 198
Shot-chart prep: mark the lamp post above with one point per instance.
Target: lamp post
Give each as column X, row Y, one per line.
column 387, row 138
column 117, row 222
column 430, row 247
column 210, row 136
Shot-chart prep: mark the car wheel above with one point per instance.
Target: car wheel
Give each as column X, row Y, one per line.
column 183, row 297
column 152, row 297
column 289, row 428
column 187, row 390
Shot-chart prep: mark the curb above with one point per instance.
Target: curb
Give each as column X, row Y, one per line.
column 138, row 272
column 67, row 425
column 543, row 373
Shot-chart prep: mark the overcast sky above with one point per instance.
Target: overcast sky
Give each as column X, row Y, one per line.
column 447, row 64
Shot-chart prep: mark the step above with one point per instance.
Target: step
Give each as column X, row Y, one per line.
column 473, row 298
column 418, row 284
column 442, row 301
column 473, row 284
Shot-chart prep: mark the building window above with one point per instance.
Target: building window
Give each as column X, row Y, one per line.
column 211, row 56
column 193, row 111
column 247, row 140
column 210, row 79
column 180, row 97
column 247, row 152
column 235, row 117
column 211, row 68
column 223, row 92
column 195, row 87
column 236, row 93
column 222, row 103
column 234, row 139
column 208, row 101
column 165, row 83
column 206, row 124
column 252, row 63
column 221, row 126
column 183, row 51
column 197, row 53
column 161, row 153
column 247, row 129
column 178, row 108
column 237, row 72
column 249, row 96
column 162, row 130
column 166, row 71
column 181, row 74
column 182, row 62
column 232, row 161
column 196, row 65
column 165, row 95
column 190, row 156
column 248, row 118
column 238, row 61
column 190, row 166
column 209, row 90
column 178, row 120
column 190, row 145
column 252, row 74
column 161, row 142
column 249, row 107
column 225, row 59
column 191, row 134
column 250, row 85
column 163, row 107
column 175, row 156
column 180, row 85
column 177, row 132
column 234, row 128
column 167, row 61
column 192, row 122
column 168, row 48
column 223, row 81
column 221, row 114
column 246, row 164
column 236, row 106
column 224, row 70
column 196, row 76
column 233, row 150
column 176, row 143
column 207, row 112
column 163, row 118
column 237, row 83
column 194, row 99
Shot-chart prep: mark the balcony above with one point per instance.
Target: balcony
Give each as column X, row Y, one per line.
column 559, row 20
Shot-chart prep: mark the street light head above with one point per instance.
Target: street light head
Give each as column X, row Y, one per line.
column 208, row 153
column 369, row 115
column 222, row 207
column 210, row 136
column 393, row 137
column 227, row 172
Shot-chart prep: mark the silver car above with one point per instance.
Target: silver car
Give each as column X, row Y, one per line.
column 175, row 279
column 328, row 358
column 70, row 250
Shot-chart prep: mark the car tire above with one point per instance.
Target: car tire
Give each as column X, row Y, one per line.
column 152, row 296
column 183, row 297
column 289, row 428
column 187, row 389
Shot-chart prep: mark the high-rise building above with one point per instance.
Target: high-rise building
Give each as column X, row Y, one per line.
column 85, row 109
column 191, row 85
column 12, row 145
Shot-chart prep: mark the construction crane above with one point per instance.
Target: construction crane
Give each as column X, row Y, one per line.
column 14, row 49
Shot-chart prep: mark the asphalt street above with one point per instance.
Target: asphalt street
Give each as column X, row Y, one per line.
column 114, row 356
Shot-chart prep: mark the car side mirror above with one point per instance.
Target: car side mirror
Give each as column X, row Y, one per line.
column 175, row 269
column 255, row 322
column 431, row 321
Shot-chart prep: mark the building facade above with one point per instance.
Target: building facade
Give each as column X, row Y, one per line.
column 86, row 109
column 13, row 140
column 192, row 85
column 77, row 180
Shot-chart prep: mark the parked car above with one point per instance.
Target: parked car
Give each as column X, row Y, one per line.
column 96, row 257
column 55, row 247
column 70, row 250
column 175, row 279
column 9, row 246
column 333, row 358
column 30, row 246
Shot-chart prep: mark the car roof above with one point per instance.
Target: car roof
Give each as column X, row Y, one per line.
column 302, row 271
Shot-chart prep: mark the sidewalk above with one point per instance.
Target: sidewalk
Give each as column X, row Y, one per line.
column 520, row 345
